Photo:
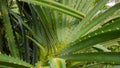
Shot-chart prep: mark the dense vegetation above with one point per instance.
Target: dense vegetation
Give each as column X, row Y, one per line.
column 59, row 34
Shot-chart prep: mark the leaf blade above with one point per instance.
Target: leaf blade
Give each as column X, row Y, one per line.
column 103, row 34
column 11, row 61
column 8, row 29
column 105, row 57
column 58, row 7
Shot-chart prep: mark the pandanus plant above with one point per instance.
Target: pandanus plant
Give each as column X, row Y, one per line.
column 57, row 33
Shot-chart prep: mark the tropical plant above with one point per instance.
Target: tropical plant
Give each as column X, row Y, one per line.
column 58, row 33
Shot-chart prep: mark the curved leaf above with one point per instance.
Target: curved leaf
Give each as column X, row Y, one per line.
column 57, row 6
column 106, row 33
column 106, row 57
column 40, row 46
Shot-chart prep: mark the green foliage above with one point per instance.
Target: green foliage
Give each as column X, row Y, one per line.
column 13, row 62
column 58, row 33
column 57, row 6
column 8, row 29
column 106, row 57
column 111, row 32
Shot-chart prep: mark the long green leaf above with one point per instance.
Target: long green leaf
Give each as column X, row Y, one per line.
column 41, row 47
column 46, row 25
column 13, row 62
column 106, row 33
column 44, row 22
column 57, row 6
column 8, row 29
column 109, row 27
column 77, row 31
column 99, row 19
column 105, row 57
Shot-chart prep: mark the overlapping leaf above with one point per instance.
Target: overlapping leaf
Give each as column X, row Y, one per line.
column 106, row 57
column 57, row 6
column 13, row 62
column 104, row 34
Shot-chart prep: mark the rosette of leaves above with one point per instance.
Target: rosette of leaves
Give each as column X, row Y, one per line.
column 58, row 31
